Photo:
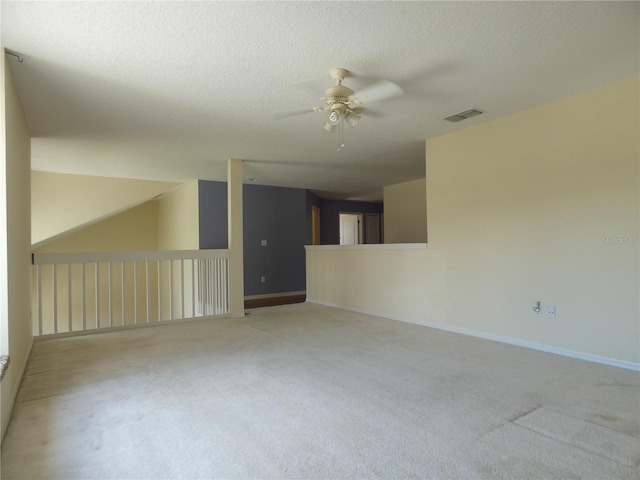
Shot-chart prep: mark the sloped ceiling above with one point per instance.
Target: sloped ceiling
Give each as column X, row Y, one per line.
column 170, row 90
column 62, row 204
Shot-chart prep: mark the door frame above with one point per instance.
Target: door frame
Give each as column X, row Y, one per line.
column 315, row 226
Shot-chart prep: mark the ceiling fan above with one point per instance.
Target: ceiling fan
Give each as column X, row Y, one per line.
column 342, row 104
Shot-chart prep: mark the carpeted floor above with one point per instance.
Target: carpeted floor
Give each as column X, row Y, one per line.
column 305, row 391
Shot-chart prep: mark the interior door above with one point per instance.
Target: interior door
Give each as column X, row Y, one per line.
column 373, row 230
column 349, row 229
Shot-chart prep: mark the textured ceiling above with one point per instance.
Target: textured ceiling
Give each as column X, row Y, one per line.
column 169, row 91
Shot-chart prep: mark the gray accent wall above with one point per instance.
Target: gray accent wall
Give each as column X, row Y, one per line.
column 273, row 214
column 212, row 206
column 282, row 217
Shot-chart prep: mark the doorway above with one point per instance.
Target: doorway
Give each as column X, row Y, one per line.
column 315, row 225
column 350, row 228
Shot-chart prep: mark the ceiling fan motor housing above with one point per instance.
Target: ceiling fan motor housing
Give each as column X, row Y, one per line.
column 338, row 93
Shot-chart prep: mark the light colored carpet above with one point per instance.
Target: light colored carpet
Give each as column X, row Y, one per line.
column 305, row 391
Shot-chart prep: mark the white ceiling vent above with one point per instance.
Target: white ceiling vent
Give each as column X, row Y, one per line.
column 463, row 115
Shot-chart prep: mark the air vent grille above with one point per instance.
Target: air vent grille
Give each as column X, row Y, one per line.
column 463, row 115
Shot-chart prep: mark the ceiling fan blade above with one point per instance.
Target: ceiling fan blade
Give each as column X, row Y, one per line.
column 315, row 85
column 381, row 90
column 370, row 112
column 292, row 113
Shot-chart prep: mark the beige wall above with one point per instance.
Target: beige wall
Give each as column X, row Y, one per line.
column 405, row 212
column 15, row 236
column 169, row 223
column 540, row 205
column 133, row 230
column 63, row 203
column 178, row 221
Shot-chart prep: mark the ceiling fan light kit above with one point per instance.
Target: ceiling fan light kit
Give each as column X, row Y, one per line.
column 342, row 106
column 352, row 118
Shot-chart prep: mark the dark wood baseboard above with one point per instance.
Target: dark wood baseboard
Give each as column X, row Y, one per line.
column 272, row 301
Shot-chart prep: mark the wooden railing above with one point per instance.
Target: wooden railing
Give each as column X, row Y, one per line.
column 75, row 293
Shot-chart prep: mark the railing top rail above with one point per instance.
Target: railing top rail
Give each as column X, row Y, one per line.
column 103, row 257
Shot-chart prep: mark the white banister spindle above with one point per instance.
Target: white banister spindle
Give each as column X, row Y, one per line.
column 39, row 293
column 159, row 290
column 216, row 284
column 146, row 270
column 193, row 288
column 224, row 289
column 220, row 286
column 204, row 286
column 54, row 279
column 122, row 290
column 223, row 286
column 69, row 303
column 225, row 265
column 215, row 274
column 207, row 286
column 170, row 289
column 182, row 285
column 96, row 287
column 200, row 288
column 135, row 292
column 110, row 299
column 84, row 295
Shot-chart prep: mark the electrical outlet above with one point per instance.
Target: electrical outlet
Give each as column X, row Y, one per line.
column 263, row 243
column 263, row 279
column 551, row 312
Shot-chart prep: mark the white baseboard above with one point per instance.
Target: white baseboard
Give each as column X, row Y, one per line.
column 489, row 336
column 274, row 295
